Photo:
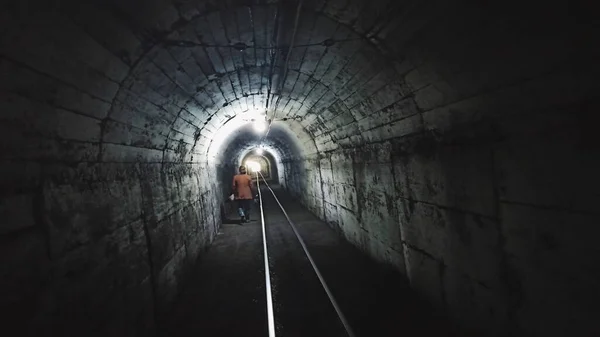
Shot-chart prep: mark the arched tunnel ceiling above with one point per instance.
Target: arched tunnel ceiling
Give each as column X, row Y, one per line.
column 182, row 90
column 280, row 143
column 170, row 75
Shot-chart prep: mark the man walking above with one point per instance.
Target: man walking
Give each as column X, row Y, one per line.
column 242, row 189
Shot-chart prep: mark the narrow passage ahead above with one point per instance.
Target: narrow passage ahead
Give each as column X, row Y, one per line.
column 227, row 295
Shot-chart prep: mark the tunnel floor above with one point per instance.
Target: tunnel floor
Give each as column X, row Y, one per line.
column 226, row 296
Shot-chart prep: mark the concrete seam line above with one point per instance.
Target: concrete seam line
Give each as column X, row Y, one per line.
column 312, row 262
column 270, row 315
column 285, row 69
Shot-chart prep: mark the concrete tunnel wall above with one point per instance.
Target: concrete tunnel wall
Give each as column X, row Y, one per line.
column 450, row 140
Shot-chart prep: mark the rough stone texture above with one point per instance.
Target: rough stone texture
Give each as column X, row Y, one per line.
column 103, row 214
column 106, row 245
column 448, row 139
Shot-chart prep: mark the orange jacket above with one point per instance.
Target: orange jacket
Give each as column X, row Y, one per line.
column 242, row 186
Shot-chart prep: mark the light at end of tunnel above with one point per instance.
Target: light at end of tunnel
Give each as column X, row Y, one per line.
column 258, row 151
column 260, row 125
column 253, row 166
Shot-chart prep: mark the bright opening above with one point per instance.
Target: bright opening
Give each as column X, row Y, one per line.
column 260, row 126
column 253, row 166
column 258, row 151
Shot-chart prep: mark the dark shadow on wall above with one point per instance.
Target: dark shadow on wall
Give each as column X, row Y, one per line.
column 483, row 222
column 112, row 245
column 225, row 173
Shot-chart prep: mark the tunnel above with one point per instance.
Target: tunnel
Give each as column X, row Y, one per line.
column 436, row 156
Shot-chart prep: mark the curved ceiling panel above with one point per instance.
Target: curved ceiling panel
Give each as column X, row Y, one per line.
column 311, row 78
